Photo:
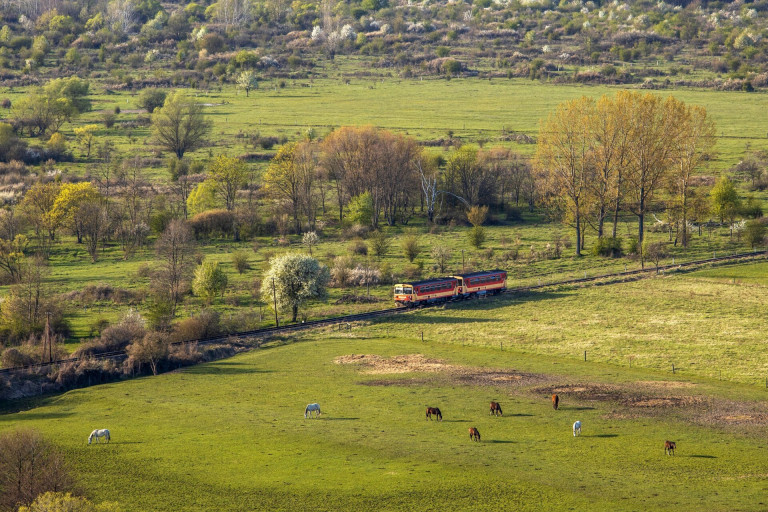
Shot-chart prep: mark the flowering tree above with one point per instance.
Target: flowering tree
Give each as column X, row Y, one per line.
column 293, row 279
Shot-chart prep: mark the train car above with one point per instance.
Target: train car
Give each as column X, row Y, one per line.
column 440, row 289
column 481, row 283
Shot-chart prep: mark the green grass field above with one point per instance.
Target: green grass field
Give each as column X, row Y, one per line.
column 231, row 435
column 475, row 110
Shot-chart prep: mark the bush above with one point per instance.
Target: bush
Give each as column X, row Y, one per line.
column 115, row 337
column 359, row 247
column 411, row 247
column 608, row 246
column 209, row 281
column 151, row 98
column 379, row 243
column 205, row 324
column 754, row 233
column 240, row 261
column 217, row 222
column 476, row 236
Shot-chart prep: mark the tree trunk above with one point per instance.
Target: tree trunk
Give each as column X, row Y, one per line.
column 295, row 309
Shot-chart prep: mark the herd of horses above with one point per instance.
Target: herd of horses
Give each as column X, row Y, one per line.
column 474, row 433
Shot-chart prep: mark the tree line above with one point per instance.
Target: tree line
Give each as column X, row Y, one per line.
column 599, row 158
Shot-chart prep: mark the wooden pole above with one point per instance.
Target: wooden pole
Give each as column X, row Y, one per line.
column 274, row 297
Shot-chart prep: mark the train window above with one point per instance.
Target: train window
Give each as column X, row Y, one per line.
column 399, row 290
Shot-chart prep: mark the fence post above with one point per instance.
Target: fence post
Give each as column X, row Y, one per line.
column 585, row 355
column 673, row 369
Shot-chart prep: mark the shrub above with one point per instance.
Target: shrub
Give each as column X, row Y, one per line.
column 209, row 281
column 608, row 246
column 411, row 247
column 359, row 247
column 115, row 337
column 205, row 324
column 754, row 233
column 379, row 243
column 476, row 236
column 150, row 349
column 151, row 98
column 341, row 272
column 218, row 222
column 240, row 261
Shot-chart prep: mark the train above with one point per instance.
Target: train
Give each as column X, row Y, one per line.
column 451, row 288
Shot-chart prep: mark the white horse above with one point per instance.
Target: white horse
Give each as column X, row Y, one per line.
column 98, row 434
column 577, row 429
column 310, row 408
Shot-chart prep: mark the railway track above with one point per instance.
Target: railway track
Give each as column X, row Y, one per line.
column 258, row 333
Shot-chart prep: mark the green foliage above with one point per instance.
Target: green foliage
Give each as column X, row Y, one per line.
column 297, row 278
column 476, row 236
column 151, row 98
column 411, row 247
column 725, row 199
column 209, row 281
column 754, row 233
column 180, row 125
column 203, row 197
column 73, row 89
column 66, row 502
column 380, row 243
column 240, row 261
column 608, row 247
column 360, row 209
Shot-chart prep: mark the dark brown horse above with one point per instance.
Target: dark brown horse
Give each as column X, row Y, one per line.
column 474, row 434
column 436, row 412
column 496, row 409
column 669, row 447
column 555, row 401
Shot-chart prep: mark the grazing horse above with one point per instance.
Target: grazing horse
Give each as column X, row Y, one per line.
column 474, row 434
column 310, row 408
column 98, row 434
column 669, row 447
column 577, row 429
column 496, row 409
column 555, row 401
column 436, row 412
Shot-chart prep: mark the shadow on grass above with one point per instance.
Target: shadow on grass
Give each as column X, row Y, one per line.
column 604, row 435
column 585, row 408
column 338, row 419
column 499, row 441
column 701, row 456
column 520, row 415
column 225, row 369
column 35, row 416
column 455, row 421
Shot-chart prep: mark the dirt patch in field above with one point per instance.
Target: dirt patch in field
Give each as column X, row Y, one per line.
column 374, row 364
column 417, row 363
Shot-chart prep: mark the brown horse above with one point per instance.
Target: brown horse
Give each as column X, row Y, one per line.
column 434, row 411
column 669, row 447
column 555, row 401
column 496, row 409
column 474, row 434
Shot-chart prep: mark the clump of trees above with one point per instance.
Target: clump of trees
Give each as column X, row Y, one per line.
column 598, row 158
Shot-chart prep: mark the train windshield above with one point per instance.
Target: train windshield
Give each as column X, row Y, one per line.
column 399, row 290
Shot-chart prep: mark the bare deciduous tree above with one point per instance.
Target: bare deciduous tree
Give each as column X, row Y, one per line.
column 175, row 249
column 29, row 466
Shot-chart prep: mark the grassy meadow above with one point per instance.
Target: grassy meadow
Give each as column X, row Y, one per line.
column 230, row 435
column 475, row 110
